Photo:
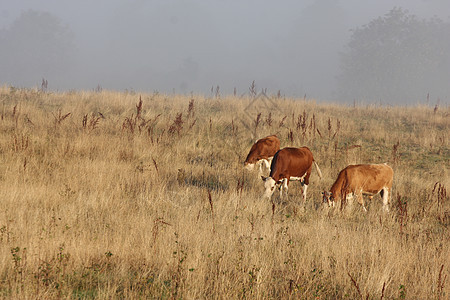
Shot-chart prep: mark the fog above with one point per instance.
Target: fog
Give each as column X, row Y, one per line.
column 187, row 46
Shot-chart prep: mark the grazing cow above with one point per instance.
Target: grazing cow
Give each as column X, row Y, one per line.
column 290, row 164
column 357, row 180
column 262, row 152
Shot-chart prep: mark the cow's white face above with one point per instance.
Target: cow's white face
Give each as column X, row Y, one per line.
column 269, row 186
column 249, row 167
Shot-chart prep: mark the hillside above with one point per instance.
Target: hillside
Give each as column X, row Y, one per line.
column 104, row 196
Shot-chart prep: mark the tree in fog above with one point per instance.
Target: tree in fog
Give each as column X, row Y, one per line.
column 397, row 58
column 36, row 45
column 311, row 48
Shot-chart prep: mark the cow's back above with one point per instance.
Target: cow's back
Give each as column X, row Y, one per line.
column 264, row 148
column 370, row 178
column 291, row 162
column 269, row 145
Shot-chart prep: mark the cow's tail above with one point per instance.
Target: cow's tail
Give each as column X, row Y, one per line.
column 317, row 169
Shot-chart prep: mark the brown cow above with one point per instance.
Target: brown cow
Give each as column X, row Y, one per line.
column 290, row 164
column 369, row 179
column 262, row 152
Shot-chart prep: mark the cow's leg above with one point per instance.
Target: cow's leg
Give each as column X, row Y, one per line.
column 349, row 199
column 281, row 187
column 305, row 187
column 284, row 186
column 385, row 195
column 360, row 199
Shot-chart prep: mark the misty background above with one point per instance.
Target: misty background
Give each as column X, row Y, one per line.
column 385, row 51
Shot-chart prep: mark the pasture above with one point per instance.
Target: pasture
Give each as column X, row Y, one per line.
column 104, row 196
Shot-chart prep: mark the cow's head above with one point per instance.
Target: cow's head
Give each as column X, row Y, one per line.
column 269, row 186
column 328, row 198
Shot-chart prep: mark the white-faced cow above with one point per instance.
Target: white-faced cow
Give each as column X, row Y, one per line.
column 369, row 179
column 290, row 164
column 262, row 152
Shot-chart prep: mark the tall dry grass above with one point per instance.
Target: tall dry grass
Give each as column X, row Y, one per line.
column 107, row 194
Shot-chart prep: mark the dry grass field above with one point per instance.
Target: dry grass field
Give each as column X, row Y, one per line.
column 104, row 197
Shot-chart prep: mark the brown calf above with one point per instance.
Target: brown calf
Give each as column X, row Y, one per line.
column 290, row 164
column 369, row 179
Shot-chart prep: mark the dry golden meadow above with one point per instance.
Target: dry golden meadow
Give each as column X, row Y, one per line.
column 104, row 196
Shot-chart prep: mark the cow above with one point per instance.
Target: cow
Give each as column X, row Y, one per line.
column 262, row 152
column 290, row 164
column 367, row 179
